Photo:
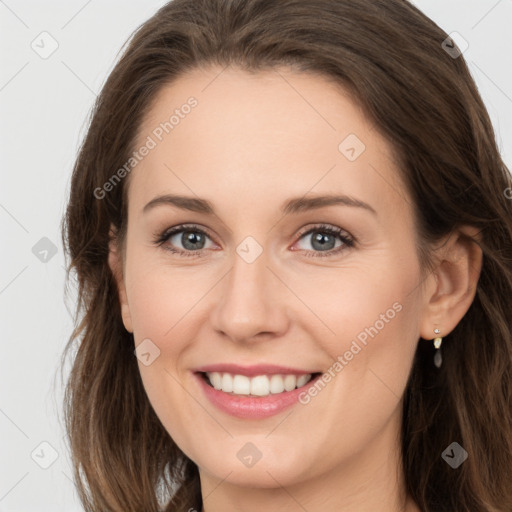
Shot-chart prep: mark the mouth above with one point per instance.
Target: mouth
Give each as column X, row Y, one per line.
column 256, row 386
column 254, row 392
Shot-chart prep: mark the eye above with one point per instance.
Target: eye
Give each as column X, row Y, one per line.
column 192, row 239
column 323, row 240
column 190, row 236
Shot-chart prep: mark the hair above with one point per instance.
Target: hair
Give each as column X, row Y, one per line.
column 389, row 57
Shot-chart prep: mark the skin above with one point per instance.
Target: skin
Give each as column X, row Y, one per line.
column 253, row 142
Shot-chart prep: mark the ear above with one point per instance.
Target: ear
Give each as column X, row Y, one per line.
column 452, row 285
column 115, row 262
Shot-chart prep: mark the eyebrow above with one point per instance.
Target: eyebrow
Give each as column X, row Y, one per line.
column 294, row 205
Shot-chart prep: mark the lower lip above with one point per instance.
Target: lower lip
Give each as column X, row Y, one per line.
column 249, row 407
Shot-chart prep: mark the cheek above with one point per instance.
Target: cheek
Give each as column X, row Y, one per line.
column 374, row 303
column 372, row 312
column 167, row 307
column 372, row 354
column 162, row 299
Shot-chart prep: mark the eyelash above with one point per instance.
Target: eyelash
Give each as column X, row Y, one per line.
column 348, row 241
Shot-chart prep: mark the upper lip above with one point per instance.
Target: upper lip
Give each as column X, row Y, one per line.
column 253, row 370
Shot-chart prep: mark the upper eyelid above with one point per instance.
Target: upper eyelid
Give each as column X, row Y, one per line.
column 339, row 231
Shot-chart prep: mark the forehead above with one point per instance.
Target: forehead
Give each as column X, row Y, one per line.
column 275, row 133
column 299, row 104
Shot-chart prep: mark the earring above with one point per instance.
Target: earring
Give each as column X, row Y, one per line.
column 438, row 359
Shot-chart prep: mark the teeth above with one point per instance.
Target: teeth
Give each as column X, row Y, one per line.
column 261, row 385
column 276, row 384
column 303, row 379
column 290, row 381
column 216, row 380
column 226, row 382
column 241, row 384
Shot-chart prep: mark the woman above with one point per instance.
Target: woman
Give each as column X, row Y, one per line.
column 293, row 243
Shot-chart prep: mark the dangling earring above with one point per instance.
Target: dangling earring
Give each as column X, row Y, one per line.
column 438, row 359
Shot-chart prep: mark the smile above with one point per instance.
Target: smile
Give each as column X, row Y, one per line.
column 253, row 393
column 260, row 385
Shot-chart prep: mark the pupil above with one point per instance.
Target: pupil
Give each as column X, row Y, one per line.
column 192, row 238
column 321, row 240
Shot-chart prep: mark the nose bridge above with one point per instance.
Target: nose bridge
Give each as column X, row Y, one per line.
column 251, row 301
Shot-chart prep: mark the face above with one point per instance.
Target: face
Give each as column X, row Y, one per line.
column 267, row 279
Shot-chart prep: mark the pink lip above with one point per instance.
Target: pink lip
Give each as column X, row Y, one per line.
column 248, row 407
column 252, row 371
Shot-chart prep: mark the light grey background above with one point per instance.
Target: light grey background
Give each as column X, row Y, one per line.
column 44, row 105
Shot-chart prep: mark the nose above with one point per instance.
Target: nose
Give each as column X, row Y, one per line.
column 253, row 303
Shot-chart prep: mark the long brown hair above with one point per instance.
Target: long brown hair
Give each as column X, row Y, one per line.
column 390, row 57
